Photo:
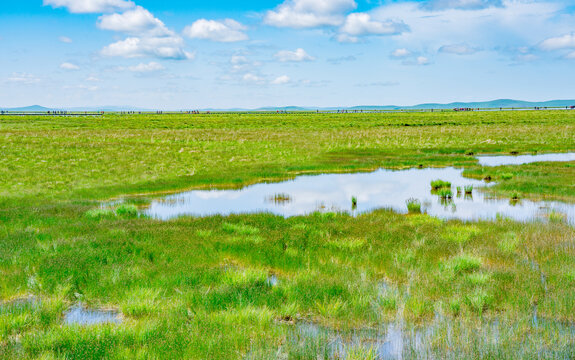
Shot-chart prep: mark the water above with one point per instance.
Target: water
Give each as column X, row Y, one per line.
column 498, row 160
column 374, row 190
column 78, row 315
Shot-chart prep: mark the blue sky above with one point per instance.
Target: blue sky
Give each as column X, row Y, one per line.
column 224, row 54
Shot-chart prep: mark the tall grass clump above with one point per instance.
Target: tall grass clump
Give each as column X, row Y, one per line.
column 445, row 193
column 413, row 206
column 440, row 184
column 127, row 211
column 468, row 189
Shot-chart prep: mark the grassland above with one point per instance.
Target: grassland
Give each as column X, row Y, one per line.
column 199, row 287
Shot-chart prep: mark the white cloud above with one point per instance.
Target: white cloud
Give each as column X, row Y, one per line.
column 91, row 6
column 298, row 55
column 458, row 49
column 150, row 36
column 280, row 80
column 227, row 30
column 149, row 67
column 69, row 66
column 346, row 38
column 238, row 60
column 138, row 21
column 92, row 79
column 309, row 13
column 65, row 39
column 570, row 56
column 24, row 78
column 170, row 47
column 518, row 22
column 422, row 60
column 249, row 77
column 401, row 53
column 435, row 5
column 362, row 24
column 566, row 41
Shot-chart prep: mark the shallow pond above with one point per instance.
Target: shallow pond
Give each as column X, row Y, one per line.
column 374, row 190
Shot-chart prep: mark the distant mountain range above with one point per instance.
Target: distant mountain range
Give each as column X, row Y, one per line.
column 500, row 103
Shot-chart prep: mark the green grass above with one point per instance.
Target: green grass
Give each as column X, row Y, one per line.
column 198, row 288
column 440, row 184
column 413, row 206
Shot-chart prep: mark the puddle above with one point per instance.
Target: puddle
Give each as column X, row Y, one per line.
column 391, row 341
column 379, row 189
column 79, row 315
column 19, row 303
column 498, row 160
column 272, row 280
column 440, row 338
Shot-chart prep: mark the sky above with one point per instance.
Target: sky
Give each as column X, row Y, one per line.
column 190, row 54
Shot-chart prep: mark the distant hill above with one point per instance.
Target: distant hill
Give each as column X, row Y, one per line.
column 38, row 108
column 28, row 108
column 494, row 104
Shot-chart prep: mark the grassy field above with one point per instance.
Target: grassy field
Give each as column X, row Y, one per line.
column 205, row 287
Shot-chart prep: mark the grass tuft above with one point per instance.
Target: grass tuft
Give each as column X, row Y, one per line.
column 440, row 184
column 413, row 206
column 127, row 211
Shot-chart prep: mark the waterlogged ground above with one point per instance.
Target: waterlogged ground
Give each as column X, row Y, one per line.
column 81, row 282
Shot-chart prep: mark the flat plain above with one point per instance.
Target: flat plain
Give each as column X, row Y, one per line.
column 259, row 286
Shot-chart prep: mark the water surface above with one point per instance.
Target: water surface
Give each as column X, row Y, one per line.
column 498, row 160
column 78, row 315
column 374, row 190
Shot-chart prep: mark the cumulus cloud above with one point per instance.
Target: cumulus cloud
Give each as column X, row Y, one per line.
column 298, row 55
column 69, row 66
column 65, row 39
column 280, row 80
column 150, row 37
column 362, row 24
column 309, row 13
column 170, row 47
column 91, row 6
column 400, row 53
column 566, row 41
column 227, row 30
column 434, row 5
column 137, row 21
column 458, row 49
